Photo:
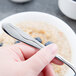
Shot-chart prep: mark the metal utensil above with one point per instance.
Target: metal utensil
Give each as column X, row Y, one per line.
column 18, row 34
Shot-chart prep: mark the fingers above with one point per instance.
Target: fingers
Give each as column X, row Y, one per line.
column 48, row 71
column 43, row 57
column 56, row 61
column 24, row 49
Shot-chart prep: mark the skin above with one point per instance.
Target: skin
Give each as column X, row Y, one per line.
column 23, row 60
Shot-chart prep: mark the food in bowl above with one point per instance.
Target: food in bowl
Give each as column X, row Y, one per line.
column 46, row 32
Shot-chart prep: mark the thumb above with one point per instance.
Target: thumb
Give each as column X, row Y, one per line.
column 43, row 57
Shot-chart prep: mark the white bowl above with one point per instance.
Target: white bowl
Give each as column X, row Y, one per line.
column 68, row 7
column 38, row 16
column 20, row 1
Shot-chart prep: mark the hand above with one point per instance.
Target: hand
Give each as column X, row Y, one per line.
column 24, row 60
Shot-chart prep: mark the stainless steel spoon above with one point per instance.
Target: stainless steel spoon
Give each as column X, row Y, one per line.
column 18, row 34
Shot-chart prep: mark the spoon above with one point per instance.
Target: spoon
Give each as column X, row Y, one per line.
column 18, row 34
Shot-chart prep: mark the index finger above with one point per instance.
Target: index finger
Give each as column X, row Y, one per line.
column 28, row 51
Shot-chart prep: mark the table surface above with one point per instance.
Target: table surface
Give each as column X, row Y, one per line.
column 8, row 8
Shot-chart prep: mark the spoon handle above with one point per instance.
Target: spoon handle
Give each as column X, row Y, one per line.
column 18, row 34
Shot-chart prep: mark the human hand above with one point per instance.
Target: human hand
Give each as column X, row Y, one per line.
column 23, row 60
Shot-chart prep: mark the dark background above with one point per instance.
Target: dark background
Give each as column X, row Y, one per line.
column 48, row 6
